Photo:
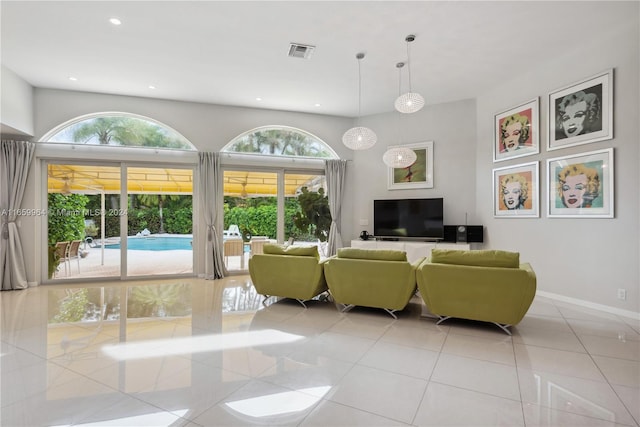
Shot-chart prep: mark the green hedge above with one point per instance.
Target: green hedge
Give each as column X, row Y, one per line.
column 261, row 220
column 178, row 221
column 66, row 217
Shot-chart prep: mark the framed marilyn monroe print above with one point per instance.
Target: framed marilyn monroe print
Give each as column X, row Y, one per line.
column 516, row 132
column 516, row 192
column 582, row 112
column 581, row 185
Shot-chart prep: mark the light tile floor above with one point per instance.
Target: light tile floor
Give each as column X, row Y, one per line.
column 191, row 352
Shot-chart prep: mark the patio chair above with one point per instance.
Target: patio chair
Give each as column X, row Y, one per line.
column 234, row 247
column 61, row 254
column 232, row 232
column 74, row 253
column 257, row 245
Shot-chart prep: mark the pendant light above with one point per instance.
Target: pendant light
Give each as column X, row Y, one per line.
column 409, row 102
column 399, row 156
column 359, row 137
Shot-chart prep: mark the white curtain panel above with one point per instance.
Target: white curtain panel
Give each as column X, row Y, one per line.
column 15, row 159
column 335, row 172
column 210, row 193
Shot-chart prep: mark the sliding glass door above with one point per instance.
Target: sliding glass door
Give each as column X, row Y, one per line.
column 159, row 221
column 83, row 221
column 277, row 205
column 114, row 220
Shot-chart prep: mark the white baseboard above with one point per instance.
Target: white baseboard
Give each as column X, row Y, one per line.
column 33, row 284
column 601, row 307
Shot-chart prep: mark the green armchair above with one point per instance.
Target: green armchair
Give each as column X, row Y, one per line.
column 293, row 272
column 489, row 286
column 371, row 278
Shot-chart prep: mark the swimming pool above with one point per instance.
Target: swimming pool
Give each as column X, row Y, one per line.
column 155, row 243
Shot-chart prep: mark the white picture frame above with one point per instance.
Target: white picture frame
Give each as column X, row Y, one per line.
column 419, row 174
column 582, row 112
column 516, row 191
column 581, row 185
column 517, row 131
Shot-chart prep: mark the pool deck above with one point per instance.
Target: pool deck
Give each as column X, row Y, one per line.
column 139, row 263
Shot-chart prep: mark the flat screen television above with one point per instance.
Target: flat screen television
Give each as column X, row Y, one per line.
column 419, row 219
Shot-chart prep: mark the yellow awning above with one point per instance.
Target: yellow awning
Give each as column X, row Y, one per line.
column 95, row 179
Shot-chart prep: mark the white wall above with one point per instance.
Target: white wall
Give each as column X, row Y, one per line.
column 16, row 105
column 451, row 128
column 585, row 259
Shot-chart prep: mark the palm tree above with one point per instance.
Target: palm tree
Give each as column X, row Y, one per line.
column 106, row 129
column 127, row 131
column 280, row 142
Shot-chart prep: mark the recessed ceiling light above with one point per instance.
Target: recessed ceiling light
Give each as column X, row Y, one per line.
column 152, row 87
column 73, row 79
column 258, row 99
column 317, row 104
column 115, row 21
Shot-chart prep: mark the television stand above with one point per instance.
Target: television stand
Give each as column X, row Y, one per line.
column 414, row 249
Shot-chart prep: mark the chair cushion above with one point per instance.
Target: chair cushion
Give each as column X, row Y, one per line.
column 272, row 249
column 373, row 254
column 483, row 258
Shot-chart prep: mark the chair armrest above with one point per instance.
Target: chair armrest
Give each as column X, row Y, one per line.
column 527, row 267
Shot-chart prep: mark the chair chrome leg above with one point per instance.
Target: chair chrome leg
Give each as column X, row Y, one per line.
column 301, row 302
column 503, row 327
column 347, row 308
column 325, row 297
column 442, row 319
column 391, row 312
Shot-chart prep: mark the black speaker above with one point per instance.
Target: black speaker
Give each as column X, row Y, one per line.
column 464, row 233
column 475, row 233
column 449, row 233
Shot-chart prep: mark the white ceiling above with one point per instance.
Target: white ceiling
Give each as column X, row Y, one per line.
column 232, row 52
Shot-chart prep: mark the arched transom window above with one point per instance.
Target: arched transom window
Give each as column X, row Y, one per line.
column 118, row 130
column 280, row 141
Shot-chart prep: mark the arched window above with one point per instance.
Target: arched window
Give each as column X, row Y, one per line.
column 118, row 129
column 280, row 141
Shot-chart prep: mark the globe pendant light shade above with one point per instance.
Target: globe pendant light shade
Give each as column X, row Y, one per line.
column 359, row 138
column 399, row 157
column 409, row 102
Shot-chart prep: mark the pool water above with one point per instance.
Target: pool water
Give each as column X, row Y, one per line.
column 153, row 243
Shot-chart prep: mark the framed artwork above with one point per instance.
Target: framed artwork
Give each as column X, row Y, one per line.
column 419, row 174
column 581, row 113
column 581, row 185
column 516, row 131
column 516, row 191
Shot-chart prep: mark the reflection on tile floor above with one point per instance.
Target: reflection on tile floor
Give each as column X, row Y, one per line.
column 190, row 352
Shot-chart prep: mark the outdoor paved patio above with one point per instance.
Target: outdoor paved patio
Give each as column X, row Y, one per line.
column 140, row 263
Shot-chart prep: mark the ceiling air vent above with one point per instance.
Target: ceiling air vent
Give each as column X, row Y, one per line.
column 297, row 50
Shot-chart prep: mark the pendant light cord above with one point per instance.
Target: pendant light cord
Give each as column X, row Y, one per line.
column 409, row 66
column 359, row 57
column 399, row 66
